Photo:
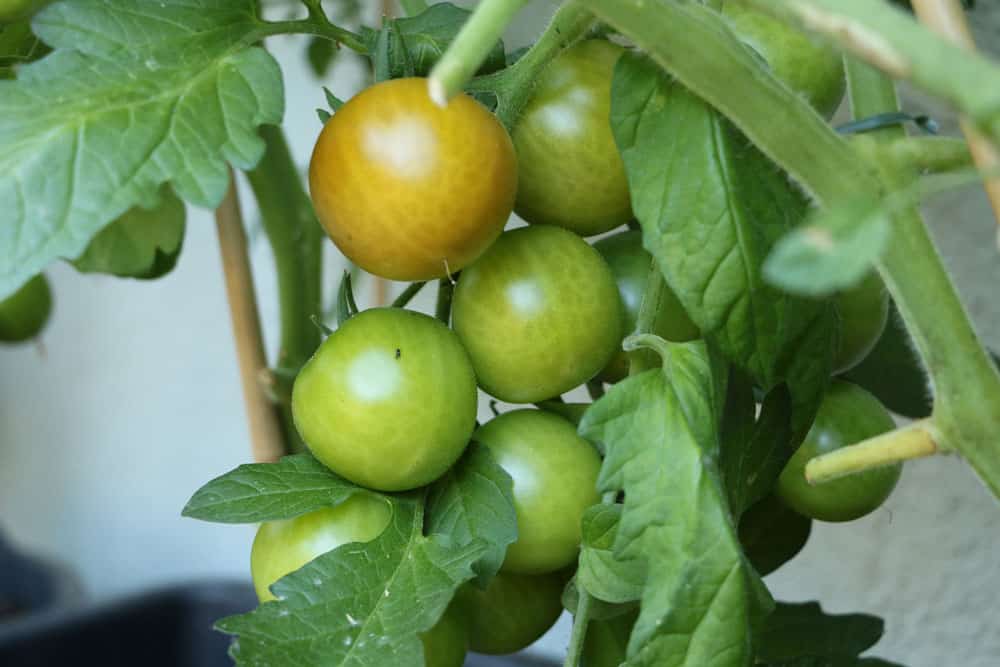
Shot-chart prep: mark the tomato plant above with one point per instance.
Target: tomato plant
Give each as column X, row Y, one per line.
column 765, row 253
column 388, row 401
column 539, row 314
column 569, row 170
column 554, row 472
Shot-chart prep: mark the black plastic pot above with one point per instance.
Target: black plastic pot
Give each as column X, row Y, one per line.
column 168, row 628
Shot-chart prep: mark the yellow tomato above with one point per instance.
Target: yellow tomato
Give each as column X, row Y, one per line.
column 408, row 190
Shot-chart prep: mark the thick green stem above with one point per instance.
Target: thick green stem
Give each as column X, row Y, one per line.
column 446, row 289
column 471, row 46
column 912, row 442
column 296, row 241
column 314, row 25
column 581, row 619
column 897, row 44
column 966, row 383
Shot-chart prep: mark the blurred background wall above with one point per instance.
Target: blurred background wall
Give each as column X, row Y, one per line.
column 133, row 401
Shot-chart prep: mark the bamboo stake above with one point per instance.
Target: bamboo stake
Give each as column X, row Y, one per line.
column 265, row 432
column 947, row 18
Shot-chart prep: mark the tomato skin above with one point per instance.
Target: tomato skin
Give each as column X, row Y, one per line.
column 806, row 66
column 570, row 173
column 606, row 641
column 408, row 190
column 281, row 547
column 25, row 313
column 512, row 613
column 864, row 312
column 446, row 644
column 847, row 415
column 555, row 480
column 539, row 314
column 630, row 264
column 388, row 401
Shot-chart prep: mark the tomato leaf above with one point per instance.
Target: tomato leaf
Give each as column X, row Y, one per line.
column 711, row 207
column 599, row 609
column 601, row 572
column 137, row 93
column 18, row 45
column 140, row 244
column 474, row 501
column 701, row 598
column 257, row 492
column 360, row 604
column 795, row 631
column 772, row 534
column 414, row 44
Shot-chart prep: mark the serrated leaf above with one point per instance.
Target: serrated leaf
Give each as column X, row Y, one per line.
column 321, row 53
column 18, row 46
column 416, row 43
column 140, row 244
column 474, row 501
column 599, row 609
column 136, row 93
column 711, row 207
column 827, row 661
column 600, row 572
column 834, row 250
column 701, row 598
column 258, row 492
column 796, row 630
column 360, row 605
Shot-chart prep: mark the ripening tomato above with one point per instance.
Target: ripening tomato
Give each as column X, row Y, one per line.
column 409, row 190
column 539, row 314
column 864, row 312
column 512, row 613
column 281, row 547
column 25, row 313
column 555, row 481
column 570, row 173
column 388, row 400
column 630, row 264
column 847, row 415
column 805, row 65
column 446, row 644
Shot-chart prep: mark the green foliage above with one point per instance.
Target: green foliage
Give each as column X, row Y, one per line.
column 347, row 307
column 358, row 605
column 474, row 501
column 802, row 634
column 701, row 599
column 711, row 208
column 269, row 491
column 601, row 573
column 411, row 46
column 140, row 244
column 171, row 93
column 18, row 46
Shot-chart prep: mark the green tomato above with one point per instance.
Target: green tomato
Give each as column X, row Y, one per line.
column 512, row 613
column 15, row 10
column 446, row 644
column 282, row 547
column 813, row 69
column 539, row 314
column 630, row 264
column 555, row 480
column 388, row 401
column 606, row 641
column 772, row 534
column 570, row 173
column 847, row 415
column 25, row 313
column 864, row 312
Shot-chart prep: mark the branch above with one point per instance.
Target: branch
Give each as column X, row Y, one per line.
column 914, row 441
column 265, row 433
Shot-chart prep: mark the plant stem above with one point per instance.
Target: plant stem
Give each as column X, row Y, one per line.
column 581, row 619
column 314, row 25
column 413, row 7
column 407, row 294
column 296, row 240
column 641, row 358
column 895, row 43
column 948, row 18
column 914, row 441
column 471, row 46
column 446, row 288
column 925, row 154
column 265, row 434
column 514, row 85
column 966, row 384
column 595, row 388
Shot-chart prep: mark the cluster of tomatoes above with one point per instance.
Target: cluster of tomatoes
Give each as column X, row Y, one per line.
column 411, row 191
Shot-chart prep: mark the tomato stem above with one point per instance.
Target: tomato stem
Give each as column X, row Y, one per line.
column 924, row 154
column 446, row 289
column 580, row 622
column 317, row 24
column 911, row 442
column 470, row 48
column 407, row 295
column 640, row 358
